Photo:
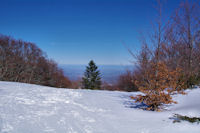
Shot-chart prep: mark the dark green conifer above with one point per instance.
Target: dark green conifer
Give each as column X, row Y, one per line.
column 91, row 78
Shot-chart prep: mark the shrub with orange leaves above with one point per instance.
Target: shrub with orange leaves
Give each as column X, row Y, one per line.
column 158, row 85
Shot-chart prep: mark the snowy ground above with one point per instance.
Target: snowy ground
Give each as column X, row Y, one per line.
column 28, row 108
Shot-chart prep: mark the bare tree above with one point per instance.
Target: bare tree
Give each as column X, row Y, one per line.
column 24, row 62
column 182, row 38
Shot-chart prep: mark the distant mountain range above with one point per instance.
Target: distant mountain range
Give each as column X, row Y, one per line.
column 109, row 73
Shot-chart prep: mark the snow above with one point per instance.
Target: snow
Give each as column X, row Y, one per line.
column 26, row 108
column 188, row 104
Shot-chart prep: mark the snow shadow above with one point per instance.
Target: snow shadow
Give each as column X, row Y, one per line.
column 130, row 103
column 1, row 124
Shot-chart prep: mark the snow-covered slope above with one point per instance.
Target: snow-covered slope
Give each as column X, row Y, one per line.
column 26, row 108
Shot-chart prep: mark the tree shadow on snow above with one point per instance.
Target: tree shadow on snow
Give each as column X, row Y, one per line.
column 130, row 103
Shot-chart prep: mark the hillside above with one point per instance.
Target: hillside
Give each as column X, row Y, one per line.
column 26, row 108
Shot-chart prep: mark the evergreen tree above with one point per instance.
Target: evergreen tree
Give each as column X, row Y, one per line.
column 91, row 79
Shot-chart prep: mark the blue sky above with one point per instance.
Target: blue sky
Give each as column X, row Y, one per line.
column 76, row 31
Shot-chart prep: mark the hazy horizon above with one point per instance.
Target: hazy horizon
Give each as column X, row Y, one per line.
column 109, row 73
column 131, row 64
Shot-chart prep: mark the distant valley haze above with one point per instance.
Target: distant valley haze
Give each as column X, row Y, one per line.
column 109, row 73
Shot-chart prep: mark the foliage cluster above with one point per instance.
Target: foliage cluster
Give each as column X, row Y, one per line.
column 172, row 64
column 22, row 61
column 179, row 118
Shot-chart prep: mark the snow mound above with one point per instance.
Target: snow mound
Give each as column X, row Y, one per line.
column 26, row 108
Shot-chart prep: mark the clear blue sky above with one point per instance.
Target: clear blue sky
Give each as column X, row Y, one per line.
column 76, row 31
